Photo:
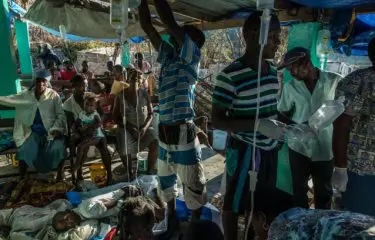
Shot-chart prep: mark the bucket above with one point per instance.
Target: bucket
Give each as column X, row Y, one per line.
column 15, row 162
column 98, row 174
column 142, row 161
column 219, row 139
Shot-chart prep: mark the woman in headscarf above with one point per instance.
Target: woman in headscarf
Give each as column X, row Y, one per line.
column 39, row 126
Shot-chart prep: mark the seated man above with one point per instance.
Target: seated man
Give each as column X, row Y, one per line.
column 74, row 107
column 68, row 71
column 39, row 127
column 136, row 129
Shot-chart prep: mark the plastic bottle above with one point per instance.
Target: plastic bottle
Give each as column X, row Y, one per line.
column 327, row 114
column 302, row 136
column 119, row 14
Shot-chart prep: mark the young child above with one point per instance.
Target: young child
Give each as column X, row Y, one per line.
column 137, row 218
column 89, row 133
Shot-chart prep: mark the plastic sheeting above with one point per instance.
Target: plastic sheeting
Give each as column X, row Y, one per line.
column 334, row 3
column 363, row 31
column 43, row 14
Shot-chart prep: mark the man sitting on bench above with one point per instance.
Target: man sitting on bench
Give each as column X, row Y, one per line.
column 38, row 127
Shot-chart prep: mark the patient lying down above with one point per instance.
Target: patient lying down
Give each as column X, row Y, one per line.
column 137, row 213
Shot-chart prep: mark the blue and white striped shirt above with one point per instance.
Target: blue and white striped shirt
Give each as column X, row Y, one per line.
column 178, row 74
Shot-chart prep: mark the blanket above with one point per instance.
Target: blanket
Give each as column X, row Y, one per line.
column 28, row 222
column 37, row 193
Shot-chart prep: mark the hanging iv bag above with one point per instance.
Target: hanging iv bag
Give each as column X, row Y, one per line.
column 119, row 14
column 322, row 44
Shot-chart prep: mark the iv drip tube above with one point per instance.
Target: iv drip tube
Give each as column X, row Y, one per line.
column 263, row 37
column 126, row 138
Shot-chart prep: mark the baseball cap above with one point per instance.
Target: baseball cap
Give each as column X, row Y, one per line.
column 292, row 56
column 43, row 74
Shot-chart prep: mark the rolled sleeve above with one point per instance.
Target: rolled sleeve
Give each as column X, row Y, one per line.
column 15, row 100
column 224, row 91
column 350, row 88
column 286, row 101
column 190, row 52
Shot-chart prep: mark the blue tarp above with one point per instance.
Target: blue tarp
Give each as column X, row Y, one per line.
column 363, row 31
column 333, row 3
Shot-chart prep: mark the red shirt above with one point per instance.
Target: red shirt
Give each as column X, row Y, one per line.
column 67, row 75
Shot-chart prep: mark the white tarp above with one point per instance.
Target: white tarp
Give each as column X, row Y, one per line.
column 77, row 21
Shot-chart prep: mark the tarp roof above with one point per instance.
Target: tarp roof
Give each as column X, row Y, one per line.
column 93, row 21
column 334, row 3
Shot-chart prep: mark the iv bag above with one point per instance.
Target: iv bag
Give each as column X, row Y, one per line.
column 322, row 45
column 119, row 14
column 327, row 114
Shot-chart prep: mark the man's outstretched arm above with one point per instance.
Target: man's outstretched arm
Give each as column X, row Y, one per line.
column 166, row 15
column 146, row 24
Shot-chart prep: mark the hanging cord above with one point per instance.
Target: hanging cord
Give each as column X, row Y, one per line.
column 139, row 134
column 263, row 37
column 125, row 136
column 119, row 34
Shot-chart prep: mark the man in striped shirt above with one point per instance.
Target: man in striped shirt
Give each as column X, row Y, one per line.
column 234, row 110
column 179, row 149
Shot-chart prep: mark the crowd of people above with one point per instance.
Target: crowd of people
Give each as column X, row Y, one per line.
column 342, row 159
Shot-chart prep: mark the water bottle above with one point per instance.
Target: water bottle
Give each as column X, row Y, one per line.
column 302, row 136
column 327, row 114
